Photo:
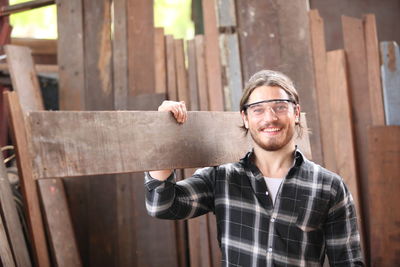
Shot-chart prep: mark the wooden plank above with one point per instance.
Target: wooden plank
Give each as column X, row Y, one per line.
column 342, row 130
column 71, row 55
column 354, row 46
column 391, row 81
column 322, row 89
column 24, row 77
column 373, row 70
column 226, row 13
column 192, row 75
column 11, row 220
column 98, row 51
column 98, row 134
column 201, row 73
column 28, row 185
column 38, row 46
column 160, row 61
column 5, row 249
column 40, row 68
column 63, row 241
column 233, row 85
column 384, row 158
column 212, row 56
column 26, row 83
column 120, row 56
column 181, row 74
column 171, row 71
column 141, row 47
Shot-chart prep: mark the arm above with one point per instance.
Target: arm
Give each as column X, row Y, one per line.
column 341, row 231
column 178, row 109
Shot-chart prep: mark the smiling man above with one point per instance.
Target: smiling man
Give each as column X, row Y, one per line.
column 274, row 207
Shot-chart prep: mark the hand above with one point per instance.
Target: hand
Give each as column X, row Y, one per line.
column 178, row 109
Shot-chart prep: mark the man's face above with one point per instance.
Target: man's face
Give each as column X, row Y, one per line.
column 271, row 130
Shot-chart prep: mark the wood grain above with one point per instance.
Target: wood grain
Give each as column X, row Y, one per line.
column 6, row 255
column 373, row 70
column 160, row 61
column 11, row 220
column 384, row 158
column 201, row 73
column 212, row 56
column 70, row 55
column 172, row 90
column 322, row 89
column 28, row 184
column 181, row 73
column 87, row 143
column 192, row 75
column 342, row 131
column 63, row 241
column 390, row 69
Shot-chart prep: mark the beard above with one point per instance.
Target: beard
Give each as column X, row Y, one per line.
column 273, row 143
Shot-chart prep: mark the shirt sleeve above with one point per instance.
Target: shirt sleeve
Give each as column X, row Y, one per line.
column 185, row 199
column 341, row 230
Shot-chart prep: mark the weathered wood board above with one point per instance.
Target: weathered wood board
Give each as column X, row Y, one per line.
column 384, row 169
column 390, row 70
column 11, row 220
column 201, row 73
column 87, row 143
column 159, row 61
column 63, row 243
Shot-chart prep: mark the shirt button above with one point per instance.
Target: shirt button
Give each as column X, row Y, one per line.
column 272, row 219
column 269, row 250
column 267, row 193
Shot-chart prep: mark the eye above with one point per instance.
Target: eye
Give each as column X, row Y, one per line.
column 281, row 107
column 257, row 110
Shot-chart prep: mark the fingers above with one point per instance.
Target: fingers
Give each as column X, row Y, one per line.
column 178, row 109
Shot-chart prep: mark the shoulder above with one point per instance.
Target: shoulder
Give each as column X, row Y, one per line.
column 223, row 169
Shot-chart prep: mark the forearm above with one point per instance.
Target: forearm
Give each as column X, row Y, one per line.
column 161, row 175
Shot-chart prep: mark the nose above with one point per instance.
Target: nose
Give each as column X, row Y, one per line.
column 269, row 115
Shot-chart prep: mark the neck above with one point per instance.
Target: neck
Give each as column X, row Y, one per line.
column 274, row 164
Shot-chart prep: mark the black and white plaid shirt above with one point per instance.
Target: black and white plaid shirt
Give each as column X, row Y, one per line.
column 313, row 213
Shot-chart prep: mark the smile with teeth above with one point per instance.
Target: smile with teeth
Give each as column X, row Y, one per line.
column 271, row 130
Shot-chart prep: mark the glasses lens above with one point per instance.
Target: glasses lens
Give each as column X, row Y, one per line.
column 278, row 107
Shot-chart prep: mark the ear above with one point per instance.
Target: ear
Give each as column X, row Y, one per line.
column 245, row 119
column 297, row 113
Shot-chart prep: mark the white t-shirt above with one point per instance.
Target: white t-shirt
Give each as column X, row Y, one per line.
column 273, row 185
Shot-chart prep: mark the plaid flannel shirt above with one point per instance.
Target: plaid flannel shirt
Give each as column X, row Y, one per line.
column 313, row 213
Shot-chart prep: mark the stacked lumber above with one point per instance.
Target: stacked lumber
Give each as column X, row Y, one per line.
column 353, row 97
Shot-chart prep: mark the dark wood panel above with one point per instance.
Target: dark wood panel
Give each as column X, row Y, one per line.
column 97, row 138
column 384, row 167
column 141, row 47
column 70, row 53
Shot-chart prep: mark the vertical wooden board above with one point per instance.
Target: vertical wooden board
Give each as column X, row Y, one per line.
column 11, row 220
column 5, row 249
column 63, row 241
column 384, row 167
column 171, row 71
column 70, row 55
column 390, row 69
column 233, row 74
column 226, row 13
column 294, row 29
column 28, row 185
column 199, row 242
column 322, row 88
column 258, row 51
column 374, row 75
column 354, row 46
column 24, row 77
column 141, row 47
column 201, row 72
column 181, row 74
column 159, row 59
column 342, row 130
column 120, row 55
column 98, row 64
column 212, row 56
column 192, row 75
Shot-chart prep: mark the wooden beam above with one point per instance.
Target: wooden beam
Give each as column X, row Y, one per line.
column 322, row 89
column 172, row 91
column 201, row 73
column 63, row 240
column 192, row 75
column 11, row 220
column 99, row 134
column 390, row 69
column 373, row 70
column 181, row 73
column 8, row 10
column 384, row 167
column 38, row 46
column 342, row 129
column 28, row 184
column 160, row 61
